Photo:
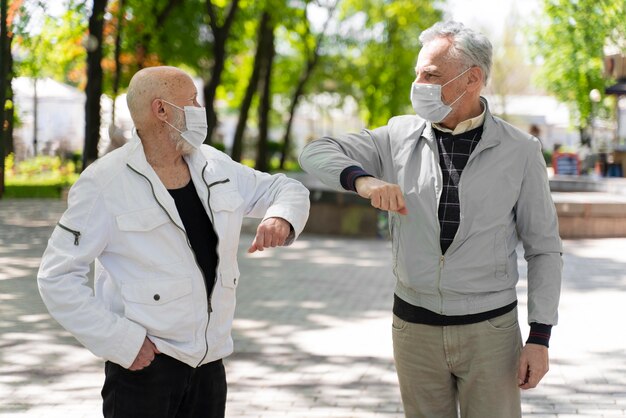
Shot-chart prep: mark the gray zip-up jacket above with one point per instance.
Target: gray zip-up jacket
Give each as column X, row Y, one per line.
column 504, row 195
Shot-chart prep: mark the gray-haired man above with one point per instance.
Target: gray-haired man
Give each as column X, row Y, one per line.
column 461, row 187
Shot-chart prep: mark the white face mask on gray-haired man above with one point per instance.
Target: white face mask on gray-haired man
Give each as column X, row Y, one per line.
column 427, row 100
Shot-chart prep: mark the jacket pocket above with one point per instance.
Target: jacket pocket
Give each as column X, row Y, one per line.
column 142, row 220
column 150, row 237
column 501, row 254
column 227, row 201
column 74, row 232
column 163, row 307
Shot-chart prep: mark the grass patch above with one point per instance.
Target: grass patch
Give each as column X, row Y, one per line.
column 40, row 177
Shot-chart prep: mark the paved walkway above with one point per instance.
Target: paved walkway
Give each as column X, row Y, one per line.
column 312, row 332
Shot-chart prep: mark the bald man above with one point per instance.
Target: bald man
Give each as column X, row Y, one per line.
column 161, row 217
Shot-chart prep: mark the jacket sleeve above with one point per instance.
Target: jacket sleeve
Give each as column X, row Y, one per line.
column 81, row 236
column 537, row 226
column 274, row 196
column 327, row 157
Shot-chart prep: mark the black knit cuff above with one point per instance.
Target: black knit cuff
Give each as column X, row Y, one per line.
column 539, row 334
column 349, row 175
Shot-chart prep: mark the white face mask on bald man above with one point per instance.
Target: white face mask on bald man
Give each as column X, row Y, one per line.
column 195, row 124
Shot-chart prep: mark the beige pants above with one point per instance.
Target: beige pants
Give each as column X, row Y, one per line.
column 468, row 368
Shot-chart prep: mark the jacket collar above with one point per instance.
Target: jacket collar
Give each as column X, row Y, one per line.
column 489, row 138
column 490, row 127
column 136, row 160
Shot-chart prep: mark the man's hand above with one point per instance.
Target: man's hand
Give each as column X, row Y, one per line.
column 272, row 232
column 533, row 365
column 145, row 356
column 382, row 195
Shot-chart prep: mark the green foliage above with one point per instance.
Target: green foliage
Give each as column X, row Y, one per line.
column 56, row 48
column 373, row 57
column 219, row 146
column 369, row 51
column 547, row 156
column 274, row 165
column 33, row 191
column 40, row 171
column 569, row 42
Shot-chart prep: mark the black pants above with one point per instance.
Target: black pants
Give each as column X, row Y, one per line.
column 167, row 388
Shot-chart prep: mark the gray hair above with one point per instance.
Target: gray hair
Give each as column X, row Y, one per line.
column 470, row 47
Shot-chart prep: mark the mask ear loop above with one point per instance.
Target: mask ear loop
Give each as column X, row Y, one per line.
column 450, row 81
column 177, row 107
column 179, row 131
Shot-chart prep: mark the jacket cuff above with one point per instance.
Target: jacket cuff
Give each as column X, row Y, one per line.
column 349, row 175
column 539, row 334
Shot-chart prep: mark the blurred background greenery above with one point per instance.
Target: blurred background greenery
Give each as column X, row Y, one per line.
column 260, row 64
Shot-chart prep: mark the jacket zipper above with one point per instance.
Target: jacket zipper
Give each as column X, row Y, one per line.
column 206, row 344
column 208, row 202
column 210, row 296
column 442, row 261
column 75, row 233
column 442, row 258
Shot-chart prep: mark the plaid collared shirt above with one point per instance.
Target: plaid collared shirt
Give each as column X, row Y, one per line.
column 454, row 152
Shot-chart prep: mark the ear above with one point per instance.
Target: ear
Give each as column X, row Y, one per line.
column 158, row 109
column 475, row 79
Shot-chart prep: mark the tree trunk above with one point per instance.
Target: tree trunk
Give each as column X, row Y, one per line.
column 265, row 102
column 210, row 88
column 35, row 116
column 94, row 83
column 220, row 36
column 312, row 61
column 4, row 52
column 9, row 146
column 250, row 90
column 116, row 56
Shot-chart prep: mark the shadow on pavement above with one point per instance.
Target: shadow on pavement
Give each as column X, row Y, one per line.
column 312, row 330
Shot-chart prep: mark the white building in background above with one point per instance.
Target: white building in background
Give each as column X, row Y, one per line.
column 61, row 119
column 60, row 116
column 60, row 124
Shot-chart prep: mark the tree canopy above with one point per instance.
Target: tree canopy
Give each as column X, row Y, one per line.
column 569, row 43
column 363, row 49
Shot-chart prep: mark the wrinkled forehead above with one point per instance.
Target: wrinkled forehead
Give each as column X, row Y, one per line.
column 435, row 56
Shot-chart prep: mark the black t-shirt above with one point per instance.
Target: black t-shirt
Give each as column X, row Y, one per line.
column 199, row 229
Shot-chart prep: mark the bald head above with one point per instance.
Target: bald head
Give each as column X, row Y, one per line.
column 153, row 83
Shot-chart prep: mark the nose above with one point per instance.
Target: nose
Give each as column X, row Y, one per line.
column 420, row 78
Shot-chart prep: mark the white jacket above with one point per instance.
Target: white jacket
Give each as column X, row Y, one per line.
column 147, row 281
